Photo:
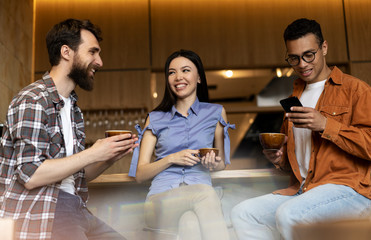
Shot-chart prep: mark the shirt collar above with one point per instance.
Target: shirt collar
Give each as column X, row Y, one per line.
column 195, row 108
column 336, row 76
column 52, row 89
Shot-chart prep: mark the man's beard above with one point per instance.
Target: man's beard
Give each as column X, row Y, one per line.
column 80, row 75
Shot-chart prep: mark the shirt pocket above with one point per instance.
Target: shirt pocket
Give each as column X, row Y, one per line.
column 338, row 113
column 80, row 139
column 56, row 144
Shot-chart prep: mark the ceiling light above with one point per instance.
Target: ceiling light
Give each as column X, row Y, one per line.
column 278, row 72
column 288, row 74
column 229, row 73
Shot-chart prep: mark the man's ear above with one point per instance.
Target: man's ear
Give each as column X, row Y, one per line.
column 66, row 52
column 324, row 48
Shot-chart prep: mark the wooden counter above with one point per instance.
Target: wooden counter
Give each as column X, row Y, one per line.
column 225, row 174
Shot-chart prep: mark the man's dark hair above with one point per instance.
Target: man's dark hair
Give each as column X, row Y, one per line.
column 301, row 27
column 68, row 33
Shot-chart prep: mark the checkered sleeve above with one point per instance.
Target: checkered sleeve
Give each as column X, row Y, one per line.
column 29, row 126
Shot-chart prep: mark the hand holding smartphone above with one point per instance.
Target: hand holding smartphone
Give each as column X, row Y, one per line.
column 287, row 103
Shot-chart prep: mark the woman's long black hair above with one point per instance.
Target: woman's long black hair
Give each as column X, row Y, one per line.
column 169, row 98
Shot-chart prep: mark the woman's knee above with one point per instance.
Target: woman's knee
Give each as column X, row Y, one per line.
column 189, row 226
column 202, row 187
column 188, row 220
column 204, row 191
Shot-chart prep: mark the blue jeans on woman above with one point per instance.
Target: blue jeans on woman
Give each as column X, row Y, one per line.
column 74, row 221
column 272, row 216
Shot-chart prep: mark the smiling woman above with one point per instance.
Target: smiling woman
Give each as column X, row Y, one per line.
column 183, row 123
column 183, row 79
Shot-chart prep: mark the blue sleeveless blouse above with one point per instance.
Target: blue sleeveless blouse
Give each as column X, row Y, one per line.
column 174, row 133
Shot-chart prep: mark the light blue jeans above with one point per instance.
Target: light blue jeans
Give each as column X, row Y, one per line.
column 272, row 216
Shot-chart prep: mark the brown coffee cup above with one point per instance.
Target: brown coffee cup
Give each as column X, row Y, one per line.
column 204, row 151
column 272, row 141
column 110, row 133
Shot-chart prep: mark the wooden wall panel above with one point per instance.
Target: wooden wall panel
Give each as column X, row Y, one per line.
column 112, row 90
column 361, row 71
column 240, row 33
column 124, row 24
column 116, row 90
column 358, row 21
column 16, row 24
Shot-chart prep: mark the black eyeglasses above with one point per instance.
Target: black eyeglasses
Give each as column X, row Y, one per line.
column 307, row 57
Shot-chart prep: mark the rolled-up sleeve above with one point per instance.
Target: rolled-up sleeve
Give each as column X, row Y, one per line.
column 28, row 127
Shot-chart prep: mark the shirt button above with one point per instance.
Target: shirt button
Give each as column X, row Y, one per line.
column 334, row 113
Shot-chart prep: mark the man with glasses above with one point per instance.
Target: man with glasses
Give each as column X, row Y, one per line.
column 327, row 150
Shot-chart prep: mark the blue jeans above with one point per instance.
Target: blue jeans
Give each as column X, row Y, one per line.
column 272, row 216
column 74, row 221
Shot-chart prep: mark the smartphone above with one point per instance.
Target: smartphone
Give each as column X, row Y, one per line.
column 287, row 103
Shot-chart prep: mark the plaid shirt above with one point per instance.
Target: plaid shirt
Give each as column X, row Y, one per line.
column 32, row 134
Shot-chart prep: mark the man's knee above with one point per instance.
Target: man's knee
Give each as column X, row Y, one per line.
column 285, row 216
column 241, row 212
column 235, row 212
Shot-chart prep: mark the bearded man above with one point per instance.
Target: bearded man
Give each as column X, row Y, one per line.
column 44, row 165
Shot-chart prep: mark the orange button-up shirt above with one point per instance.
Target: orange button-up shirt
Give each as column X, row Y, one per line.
column 341, row 154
